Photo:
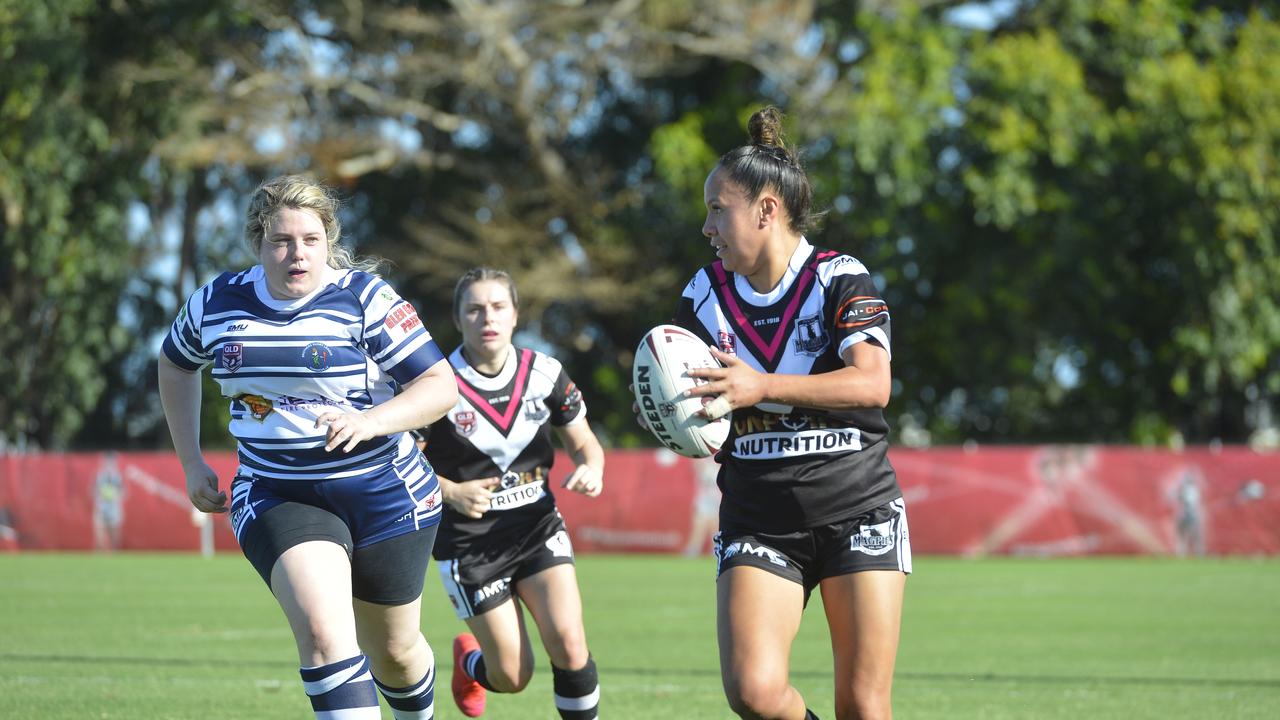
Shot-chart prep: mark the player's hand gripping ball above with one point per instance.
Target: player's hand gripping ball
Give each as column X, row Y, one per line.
column 659, row 381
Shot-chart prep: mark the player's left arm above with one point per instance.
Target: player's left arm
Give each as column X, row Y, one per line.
column 864, row 382
column 424, row 400
column 583, row 446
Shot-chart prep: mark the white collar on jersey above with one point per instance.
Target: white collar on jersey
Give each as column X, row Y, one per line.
column 259, row 278
column 748, row 293
column 478, row 379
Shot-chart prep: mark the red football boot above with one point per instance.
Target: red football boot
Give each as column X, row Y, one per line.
column 467, row 693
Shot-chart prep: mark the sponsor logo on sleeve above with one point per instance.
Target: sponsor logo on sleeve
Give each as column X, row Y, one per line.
column 401, row 321
column 861, row 311
column 572, row 396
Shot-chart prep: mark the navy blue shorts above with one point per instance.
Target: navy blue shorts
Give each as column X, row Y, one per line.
column 366, row 515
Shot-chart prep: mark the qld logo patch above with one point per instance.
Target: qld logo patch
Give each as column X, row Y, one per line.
column 875, row 539
column 317, row 357
column 232, row 356
column 465, row 422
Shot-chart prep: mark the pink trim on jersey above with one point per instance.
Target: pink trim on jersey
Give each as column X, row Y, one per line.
column 797, row 291
column 505, row 420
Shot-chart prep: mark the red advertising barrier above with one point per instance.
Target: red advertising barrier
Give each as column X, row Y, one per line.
column 1050, row 500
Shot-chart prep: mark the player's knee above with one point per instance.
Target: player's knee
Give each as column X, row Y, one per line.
column 397, row 655
column 569, row 650
column 508, row 676
column 752, row 696
column 863, row 703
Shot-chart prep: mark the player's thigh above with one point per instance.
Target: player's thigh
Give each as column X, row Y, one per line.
column 757, row 616
column 389, row 629
column 312, row 583
column 864, row 615
column 553, row 599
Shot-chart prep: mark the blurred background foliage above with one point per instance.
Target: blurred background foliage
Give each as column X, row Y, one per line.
column 1071, row 205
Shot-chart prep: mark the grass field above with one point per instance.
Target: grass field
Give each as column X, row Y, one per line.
column 176, row 636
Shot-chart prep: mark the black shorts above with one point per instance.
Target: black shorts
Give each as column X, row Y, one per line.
column 483, row 577
column 874, row 540
column 387, row 572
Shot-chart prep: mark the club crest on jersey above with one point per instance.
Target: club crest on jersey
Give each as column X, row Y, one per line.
column 535, row 410
column 232, row 356
column 728, row 343
column 465, row 422
column 875, row 539
column 811, row 337
column 317, row 357
column 259, row 407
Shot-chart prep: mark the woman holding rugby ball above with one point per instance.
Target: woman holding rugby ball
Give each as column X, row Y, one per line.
column 809, row 497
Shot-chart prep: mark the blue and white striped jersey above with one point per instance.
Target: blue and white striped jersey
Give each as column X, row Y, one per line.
column 285, row 363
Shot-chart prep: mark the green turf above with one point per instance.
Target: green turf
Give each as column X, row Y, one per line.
column 176, row 636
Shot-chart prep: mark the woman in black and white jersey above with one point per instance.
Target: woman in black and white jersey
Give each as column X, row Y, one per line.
column 502, row 543
column 809, row 497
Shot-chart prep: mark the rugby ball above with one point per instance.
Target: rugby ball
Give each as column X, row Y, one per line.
column 659, row 379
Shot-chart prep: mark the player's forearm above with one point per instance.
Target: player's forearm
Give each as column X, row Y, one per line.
column 180, row 398
column 424, row 400
column 848, row 388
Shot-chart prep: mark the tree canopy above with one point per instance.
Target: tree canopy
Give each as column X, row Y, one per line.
column 1071, row 206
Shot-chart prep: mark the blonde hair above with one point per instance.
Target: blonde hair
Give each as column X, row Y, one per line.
column 301, row 193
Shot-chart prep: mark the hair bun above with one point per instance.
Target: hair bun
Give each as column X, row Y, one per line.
column 765, row 127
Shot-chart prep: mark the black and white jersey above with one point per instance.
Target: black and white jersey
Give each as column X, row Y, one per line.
column 501, row 427
column 790, row 467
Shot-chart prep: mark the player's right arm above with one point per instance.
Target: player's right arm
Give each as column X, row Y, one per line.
column 470, row 497
column 180, row 398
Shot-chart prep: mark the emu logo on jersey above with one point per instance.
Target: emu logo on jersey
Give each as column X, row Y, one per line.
column 811, row 339
column 559, row 545
column 317, row 357
column 875, row 539
column 465, row 422
column 232, row 356
column 259, row 407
